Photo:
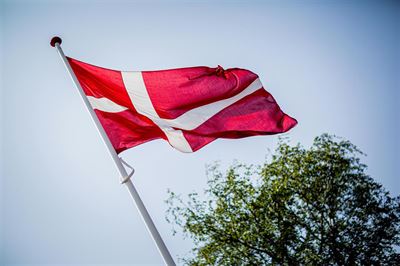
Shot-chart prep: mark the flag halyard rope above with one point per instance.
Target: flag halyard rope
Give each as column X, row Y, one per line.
column 124, row 179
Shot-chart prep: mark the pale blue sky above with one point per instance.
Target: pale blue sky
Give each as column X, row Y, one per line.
column 333, row 65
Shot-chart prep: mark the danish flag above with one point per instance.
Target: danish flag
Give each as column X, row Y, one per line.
column 188, row 107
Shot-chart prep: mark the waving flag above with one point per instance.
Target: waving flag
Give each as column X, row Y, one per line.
column 188, row 107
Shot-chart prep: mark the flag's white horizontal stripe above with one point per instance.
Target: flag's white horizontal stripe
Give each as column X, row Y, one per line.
column 105, row 105
column 140, row 98
column 197, row 116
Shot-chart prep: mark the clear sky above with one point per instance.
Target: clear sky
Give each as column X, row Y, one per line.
column 333, row 65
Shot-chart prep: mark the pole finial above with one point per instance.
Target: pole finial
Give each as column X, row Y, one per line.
column 55, row 40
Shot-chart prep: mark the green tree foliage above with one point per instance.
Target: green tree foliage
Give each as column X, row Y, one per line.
column 312, row 206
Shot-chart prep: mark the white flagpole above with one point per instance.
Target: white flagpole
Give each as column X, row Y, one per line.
column 162, row 248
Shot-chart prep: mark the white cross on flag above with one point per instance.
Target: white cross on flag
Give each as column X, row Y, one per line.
column 188, row 107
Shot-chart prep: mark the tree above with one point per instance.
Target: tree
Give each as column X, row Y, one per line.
column 313, row 206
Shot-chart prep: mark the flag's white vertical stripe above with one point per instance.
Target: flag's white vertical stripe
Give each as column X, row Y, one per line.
column 137, row 91
column 177, row 139
column 140, row 98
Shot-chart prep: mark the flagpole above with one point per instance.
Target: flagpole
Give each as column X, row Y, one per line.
column 162, row 248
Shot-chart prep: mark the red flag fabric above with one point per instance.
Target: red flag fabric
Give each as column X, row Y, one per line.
column 188, row 107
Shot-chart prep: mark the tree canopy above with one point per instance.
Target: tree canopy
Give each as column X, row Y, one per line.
column 314, row 206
